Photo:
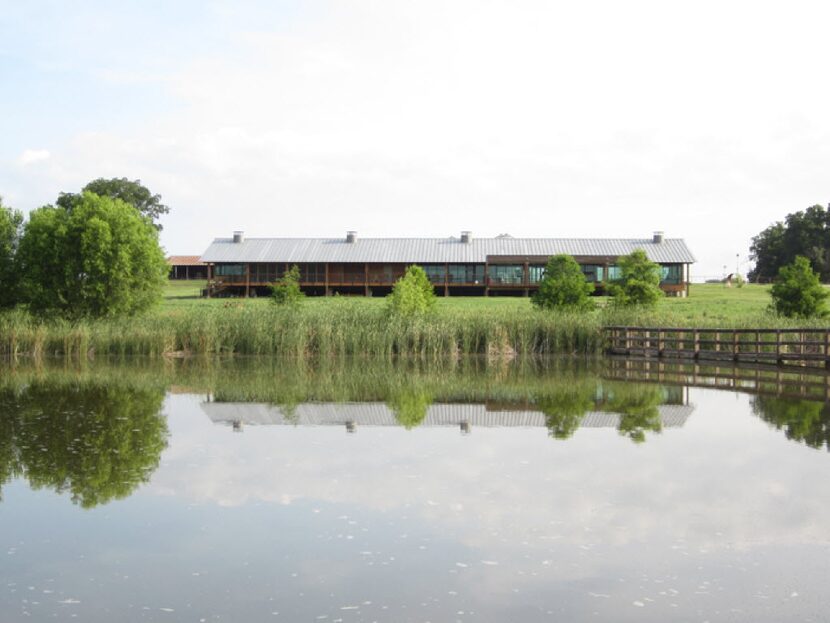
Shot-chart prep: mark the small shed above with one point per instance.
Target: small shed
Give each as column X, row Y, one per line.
column 187, row 267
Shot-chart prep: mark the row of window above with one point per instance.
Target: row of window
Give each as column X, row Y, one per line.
column 499, row 274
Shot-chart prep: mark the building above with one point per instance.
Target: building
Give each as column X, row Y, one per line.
column 187, row 267
column 501, row 266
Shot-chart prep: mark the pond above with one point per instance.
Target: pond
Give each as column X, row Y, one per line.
column 541, row 490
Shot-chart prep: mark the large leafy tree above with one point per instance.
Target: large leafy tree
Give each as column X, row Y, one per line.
column 564, row 286
column 11, row 227
column 132, row 192
column 805, row 233
column 797, row 292
column 101, row 258
column 639, row 282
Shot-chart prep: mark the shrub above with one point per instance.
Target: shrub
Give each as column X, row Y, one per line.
column 287, row 291
column 798, row 293
column 412, row 294
column 639, row 283
column 564, row 286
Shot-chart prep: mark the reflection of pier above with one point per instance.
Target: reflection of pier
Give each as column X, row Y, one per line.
column 464, row 417
column 758, row 378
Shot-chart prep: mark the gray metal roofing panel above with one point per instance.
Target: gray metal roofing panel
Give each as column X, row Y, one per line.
column 440, row 414
column 434, row 250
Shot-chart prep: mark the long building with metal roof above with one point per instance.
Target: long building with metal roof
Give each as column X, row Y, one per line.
column 456, row 266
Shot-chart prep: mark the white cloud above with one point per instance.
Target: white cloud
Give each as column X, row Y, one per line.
column 32, row 156
column 594, row 119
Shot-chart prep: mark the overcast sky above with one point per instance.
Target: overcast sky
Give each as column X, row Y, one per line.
column 708, row 120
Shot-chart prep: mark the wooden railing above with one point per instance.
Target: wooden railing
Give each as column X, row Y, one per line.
column 757, row 345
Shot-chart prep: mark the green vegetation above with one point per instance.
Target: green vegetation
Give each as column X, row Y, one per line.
column 804, row 234
column 639, row 282
column 98, row 441
column 412, row 294
column 287, row 291
column 564, row 286
column 11, row 228
column 100, row 259
column 131, row 192
column 339, row 326
column 797, row 292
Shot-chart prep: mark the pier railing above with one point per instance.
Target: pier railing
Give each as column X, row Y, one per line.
column 804, row 346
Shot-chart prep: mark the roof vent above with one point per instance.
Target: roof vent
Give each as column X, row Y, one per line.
column 466, row 236
column 658, row 237
column 351, row 237
column 238, row 236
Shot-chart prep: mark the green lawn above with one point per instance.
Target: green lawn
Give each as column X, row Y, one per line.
column 707, row 302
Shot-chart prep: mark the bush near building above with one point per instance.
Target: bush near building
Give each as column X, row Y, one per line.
column 563, row 286
column 798, row 293
column 639, row 282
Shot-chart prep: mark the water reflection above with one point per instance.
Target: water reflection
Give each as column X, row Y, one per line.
column 96, row 442
column 807, row 421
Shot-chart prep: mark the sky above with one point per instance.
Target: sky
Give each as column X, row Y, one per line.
column 706, row 120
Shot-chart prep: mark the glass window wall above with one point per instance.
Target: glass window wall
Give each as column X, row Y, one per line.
column 466, row 273
column 672, row 274
column 435, row 272
column 506, row 274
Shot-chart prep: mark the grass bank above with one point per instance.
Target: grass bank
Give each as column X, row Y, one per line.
column 349, row 326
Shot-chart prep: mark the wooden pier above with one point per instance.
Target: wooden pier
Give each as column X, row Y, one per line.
column 776, row 346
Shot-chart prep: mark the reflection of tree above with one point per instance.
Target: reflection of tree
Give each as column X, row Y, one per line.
column 410, row 407
column 637, row 406
column 565, row 407
column 8, row 451
column 96, row 441
column 807, row 421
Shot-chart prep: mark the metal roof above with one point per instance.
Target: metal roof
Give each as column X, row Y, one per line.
column 439, row 414
column 435, row 250
column 184, row 260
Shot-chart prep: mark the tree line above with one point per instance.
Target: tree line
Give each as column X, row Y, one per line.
column 92, row 254
column 802, row 234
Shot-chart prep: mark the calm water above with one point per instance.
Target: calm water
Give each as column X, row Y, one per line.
column 541, row 491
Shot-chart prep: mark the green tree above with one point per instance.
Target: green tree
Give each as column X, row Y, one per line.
column 564, row 286
column 639, row 282
column 287, row 291
column 128, row 191
column 101, row 258
column 412, row 294
column 798, row 293
column 805, row 233
column 11, row 227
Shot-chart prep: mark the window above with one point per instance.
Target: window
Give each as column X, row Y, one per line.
column 536, row 273
column 466, row 273
column 435, row 272
column 672, row 274
column 509, row 274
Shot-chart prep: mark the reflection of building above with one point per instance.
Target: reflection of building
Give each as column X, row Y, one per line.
column 461, row 416
column 456, row 266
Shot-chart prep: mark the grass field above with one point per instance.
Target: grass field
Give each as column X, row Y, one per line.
column 707, row 304
column 186, row 324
